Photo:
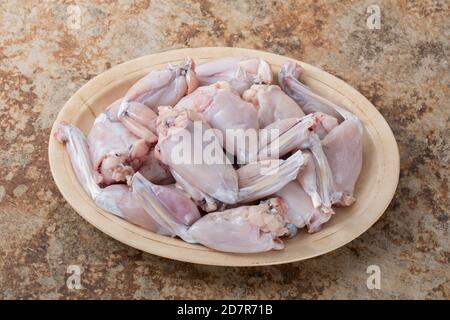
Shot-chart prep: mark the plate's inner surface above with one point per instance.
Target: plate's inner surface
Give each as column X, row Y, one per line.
column 344, row 226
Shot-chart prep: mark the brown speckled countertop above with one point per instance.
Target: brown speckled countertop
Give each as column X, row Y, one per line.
column 403, row 68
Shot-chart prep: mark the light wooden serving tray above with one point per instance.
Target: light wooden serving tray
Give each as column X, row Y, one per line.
column 375, row 189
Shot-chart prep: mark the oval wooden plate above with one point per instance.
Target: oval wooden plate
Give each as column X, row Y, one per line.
column 375, row 188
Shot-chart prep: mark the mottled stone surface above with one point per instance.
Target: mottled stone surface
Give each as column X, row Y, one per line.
column 402, row 68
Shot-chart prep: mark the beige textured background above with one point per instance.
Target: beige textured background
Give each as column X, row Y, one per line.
column 402, row 68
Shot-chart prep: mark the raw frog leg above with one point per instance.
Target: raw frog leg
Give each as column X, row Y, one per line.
column 293, row 133
column 177, row 203
column 273, row 131
column 263, row 178
column 305, row 97
column 301, row 211
column 304, row 200
column 240, row 72
column 136, row 117
column 342, row 145
column 78, row 150
column 116, row 152
column 139, row 120
column 309, row 101
column 343, row 149
column 116, row 199
column 272, row 104
column 246, row 229
column 130, row 206
column 201, row 199
column 305, row 134
column 164, row 87
column 308, row 179
column 226, row 111
column 179, row 148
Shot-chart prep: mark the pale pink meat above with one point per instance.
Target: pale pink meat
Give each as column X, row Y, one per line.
column 116, row 153
column 343, row 149
column 226, row 111
column 272, row 104
column 245, row 229
column 212, row 174
column 301, row 211
column 308, row 100
column 119, row 199
column 240, row 72
column 164, row 87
